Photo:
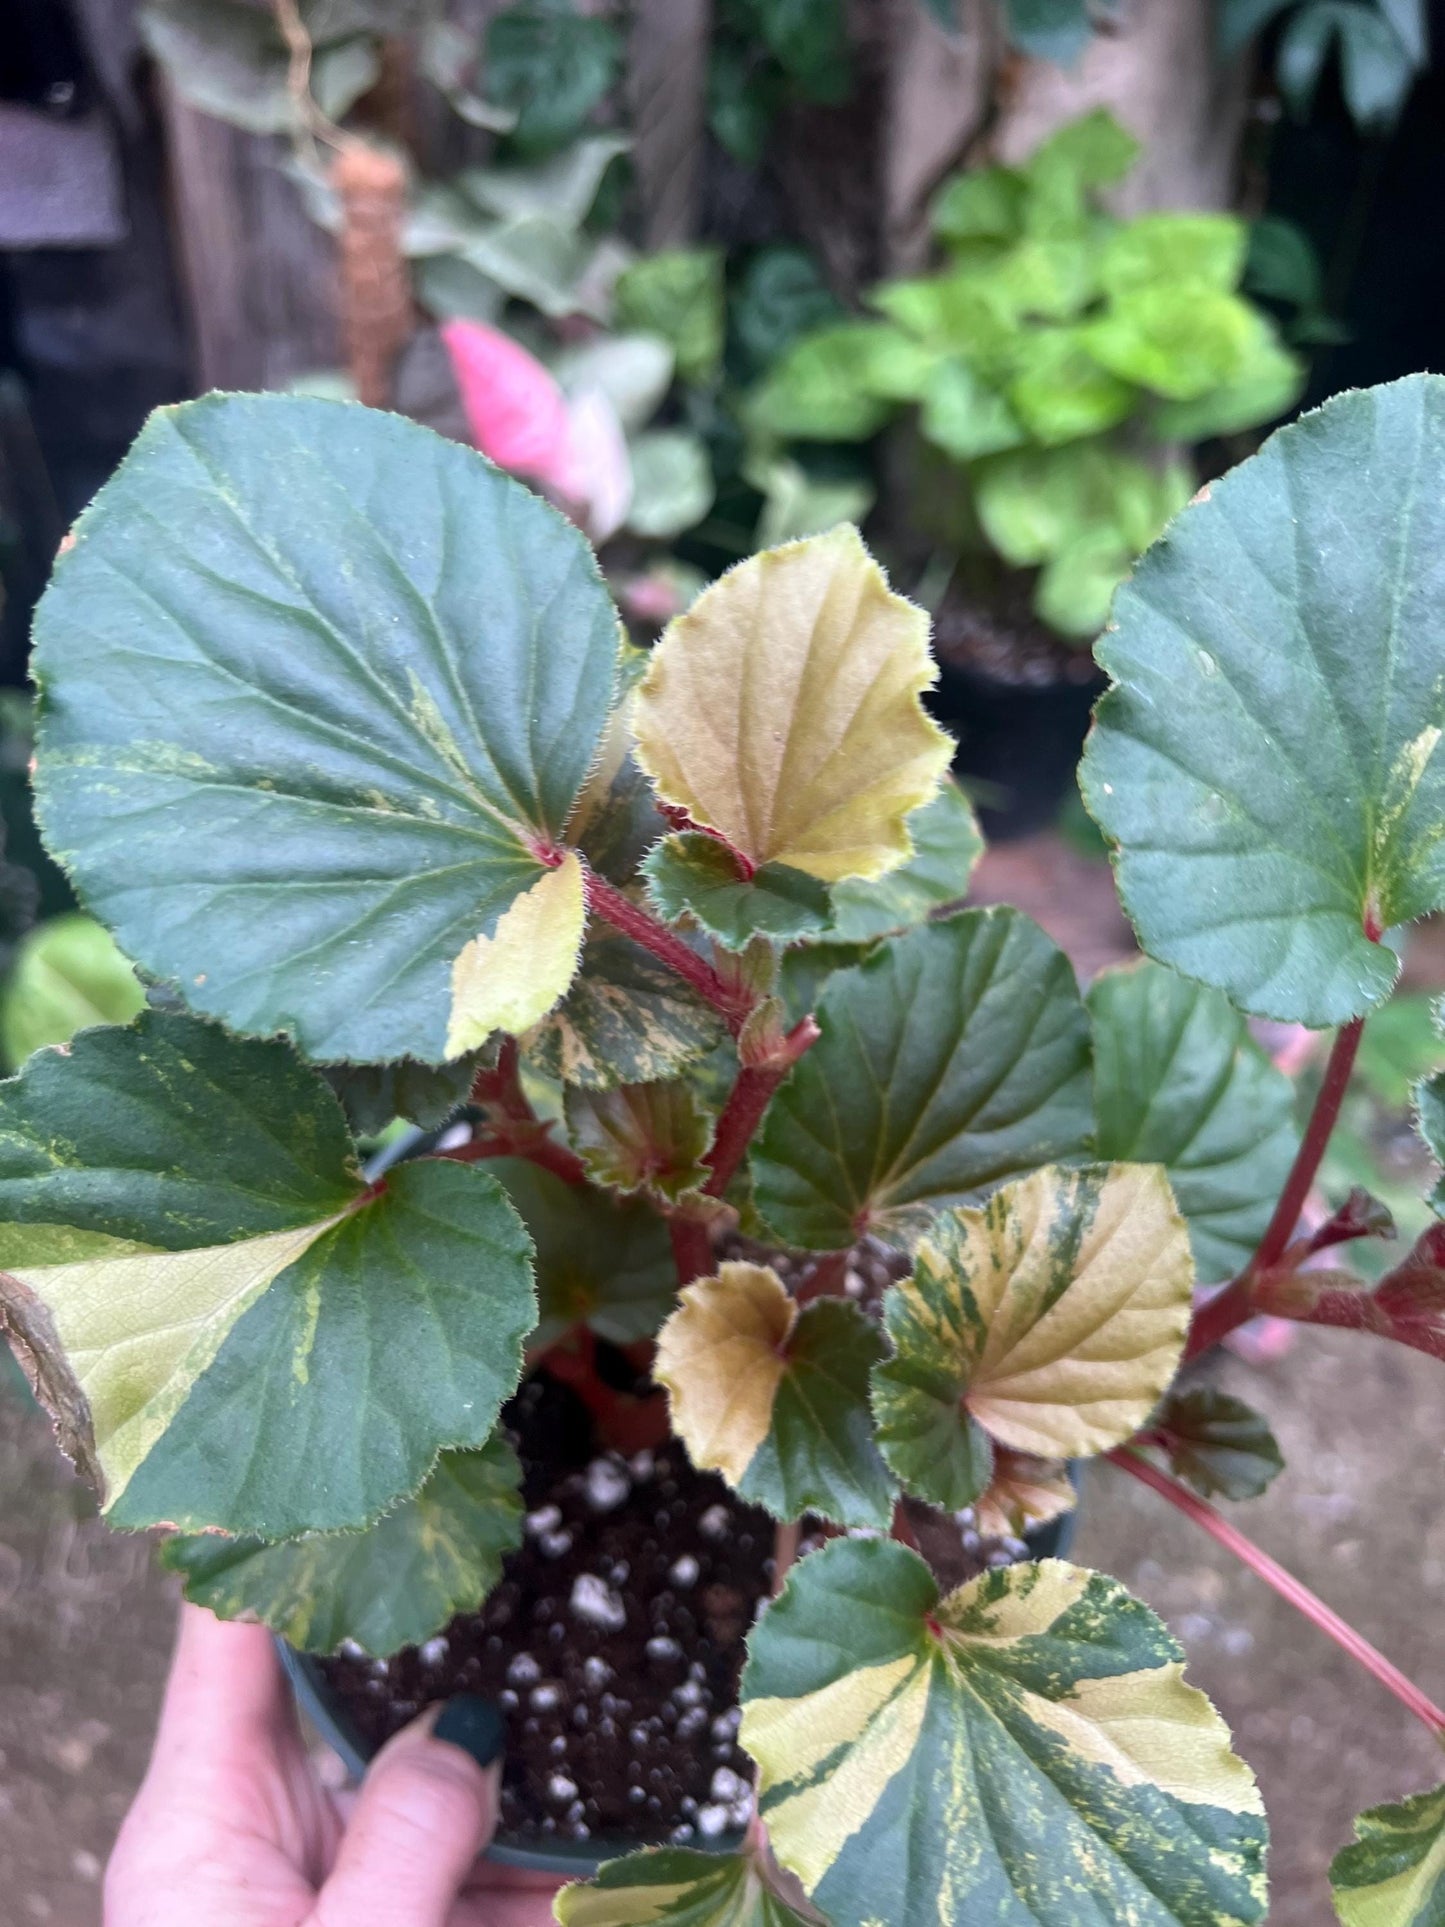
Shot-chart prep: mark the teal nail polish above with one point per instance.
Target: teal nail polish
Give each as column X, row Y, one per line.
column 475, row 1725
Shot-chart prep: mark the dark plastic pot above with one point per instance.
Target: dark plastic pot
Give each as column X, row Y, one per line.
column 569, row 1859
column 1018, row 743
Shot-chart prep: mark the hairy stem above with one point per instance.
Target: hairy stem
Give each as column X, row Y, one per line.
column 749, row 1097
column 510, row 1127
column 1285, row 1584
column 639, row 924
column 1235, row 1304
column 691, row 1249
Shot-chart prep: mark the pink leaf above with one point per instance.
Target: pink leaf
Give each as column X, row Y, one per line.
column 515, row 410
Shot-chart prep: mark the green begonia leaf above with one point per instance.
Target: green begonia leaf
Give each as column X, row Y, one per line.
column 66, row 974
column 1178, row 1081
column 1024, row 1751
column 550, row 66
column 615, row 820
column 601, row 1261
column 696, row 875
column 680, row 1887
column 952, row 1058
column 315, row 683
column 776, row 1399
column 1394, row 1874
column 946, row 845
column 804, row 970
column 264, row 1304
column 425, row 1094
column 439, row 1553
column 1054, row 1317
column 640, row 1137
column 628, row 1019
column 1217, row 1444
column 1266, row 763
column 678, row 296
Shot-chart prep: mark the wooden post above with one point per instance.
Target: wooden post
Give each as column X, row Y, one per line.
column 667, row 98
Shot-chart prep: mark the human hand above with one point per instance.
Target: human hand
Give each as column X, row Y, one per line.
column 232, row 1828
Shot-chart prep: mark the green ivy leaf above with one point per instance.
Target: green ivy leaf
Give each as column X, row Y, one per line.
column 840, row 384
column 1266, row 383
column 679, row 1887
column 946, row 845
column 1266, row 763
column 1394, row 1874
column 67, row 974
column 550, row 66
column 780, row 297
column 678, row 295
column 810, row 41
column 1024, row 1750
column 641, row 1137
column 1178, row 339
column 229, row 60
column 776, row 1399
column 1060, row 393
column 628, row 1019
column 696, row 875
column 965, row 415
column 1053, row 1317
column 1217, row 1444
column 1179, row 1081
column 672, row 484
column 232, row 1306
column 952, row 1059
column 439, row 1553
column 283, row 763
column 1206, row 250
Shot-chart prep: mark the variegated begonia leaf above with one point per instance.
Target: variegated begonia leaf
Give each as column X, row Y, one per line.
column 318, row 692
column 1267, row 761
column 641, row 1137
column 437, row 1554
column 952, row 1058
column 213, row 1304
column 697, row 876
column 1179, row 1081
column 776, row 1398
column 1024, row 1751
column 627, row 1019
column 1394, row 1874
column 1023, row 1493
column 782, row 711
column 680, row 1887
column 1051, row 1318
column 946, row 845
column 1216, row 1443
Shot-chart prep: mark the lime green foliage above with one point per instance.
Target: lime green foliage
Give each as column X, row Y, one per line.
column 66, row 974
column 1055, row 357
column 678, row 296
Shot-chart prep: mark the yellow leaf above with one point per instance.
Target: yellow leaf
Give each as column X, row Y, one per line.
column 721, row 1357
column 511, row 979
column 782, row 710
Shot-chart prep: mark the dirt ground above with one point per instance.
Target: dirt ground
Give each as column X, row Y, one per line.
column 85, row 1622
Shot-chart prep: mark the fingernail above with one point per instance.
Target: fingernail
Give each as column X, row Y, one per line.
column 475, row 1725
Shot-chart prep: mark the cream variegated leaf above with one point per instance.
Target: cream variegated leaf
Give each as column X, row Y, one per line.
column 1024, row 1752
column 1052, row 1318
column 641, row 1137
column 776, row 1398
column 782, row 711
column 509, row 980
column 1394, row 1874
column 679, row 1887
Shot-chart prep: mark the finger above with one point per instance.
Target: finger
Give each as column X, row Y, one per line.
column 225, row 1698
column 427, row 1806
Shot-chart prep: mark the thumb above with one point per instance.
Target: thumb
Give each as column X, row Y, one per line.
column 426, row 1808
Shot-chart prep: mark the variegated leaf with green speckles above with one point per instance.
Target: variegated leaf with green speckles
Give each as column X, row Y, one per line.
column 679, row 1887
column 1217, row 1444
column 1394, row 1874
column 1023, row 1752
column 1268, row 761
column 782, row 710
column 776, row 1398
column 695, row 875
column 1053, row 1317
column 438, row 1553
column 952, row 1058
column 601, row 1261
column 315, row 683
column 1179, row 1081
column 946, row 845
column 628, row 1019
column 641, row 1137
column 213, row 1305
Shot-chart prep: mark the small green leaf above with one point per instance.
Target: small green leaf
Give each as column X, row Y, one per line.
column 952, row 1059
column 984, row 204
column 1076, row 586
column 696, row 875
column 1024, row 1750
column 946, row 845
column 393, row 1585
column 550, row 66
column 1179, row 1081
column 1266, row 384
column 840, row 384
column 967, row 417
column 628, row 1019
column 1217, row 1444
column 67, row 974
column 424, row 1094
column 678, row 295
column 1060, row 393
column 1178, row 339
column 672, row 485
column 679, row 1887
column 1036, row 502
column 1267, row 760
column 810, row 40
column 804, row 970
column 1053, row 1317
column 283, row 761
column 641, row 1137
column 1091, row 152
column 1394, row 1874
column 780, row 297
column 797, row 504
column 1204, row 249
column 776, row 1399
column 601, row 1261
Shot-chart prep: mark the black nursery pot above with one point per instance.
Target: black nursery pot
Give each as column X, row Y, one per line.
column 1018, row 742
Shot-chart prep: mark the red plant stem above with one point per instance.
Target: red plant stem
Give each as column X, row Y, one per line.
column 691, row 1249
column 510, row 1127
column 635, row 922
column 827, row 1279
column 1231, row 1307
column 1285, row 1584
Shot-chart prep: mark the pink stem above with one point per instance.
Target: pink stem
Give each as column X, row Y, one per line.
column 1285, row 1584
column 639, row 924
